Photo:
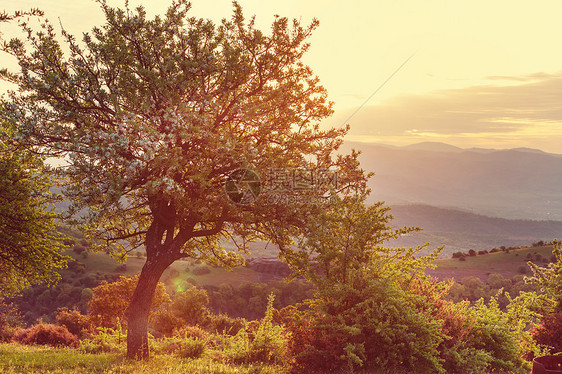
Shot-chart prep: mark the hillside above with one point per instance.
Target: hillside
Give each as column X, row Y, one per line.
column 460, row 230
column 514, row 184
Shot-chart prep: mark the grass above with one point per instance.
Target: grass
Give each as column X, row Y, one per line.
column 16, row 358
column 481, row 266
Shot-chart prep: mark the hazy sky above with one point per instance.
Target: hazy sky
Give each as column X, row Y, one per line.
column 483, row 73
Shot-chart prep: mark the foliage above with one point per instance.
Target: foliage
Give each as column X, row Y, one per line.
column 105, row 339
column 224, row 324
column 268, row 344
column 549, row 278
column 77, row 323
column 188, row 307
column 549, row 332
column 369, row 322
column 249, row 299
column 10, row 320
column 191, row 348
column 345, row 237
column 376, row 308
column 30, row 249
column 47, row 334
column 109, row 302
column 364, row 315
column 192, row 332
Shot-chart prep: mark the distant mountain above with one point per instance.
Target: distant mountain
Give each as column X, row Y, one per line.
column 432, row 147
column 514, row 184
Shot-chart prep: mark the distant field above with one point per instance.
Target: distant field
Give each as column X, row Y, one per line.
column 507, row 264
column 180, row 274
column 177, row 277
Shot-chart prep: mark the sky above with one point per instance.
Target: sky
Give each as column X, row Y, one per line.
column 467, row 73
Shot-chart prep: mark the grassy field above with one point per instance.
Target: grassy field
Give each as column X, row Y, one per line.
column 505, row 263
column 16, row 358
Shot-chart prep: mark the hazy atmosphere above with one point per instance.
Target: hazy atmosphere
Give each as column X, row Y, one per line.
column 481, row 74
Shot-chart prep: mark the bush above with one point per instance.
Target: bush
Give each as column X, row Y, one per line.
column 109, row 301
column 471, row 252
column 458, row 254
column 368, row 323
column 194, row 332
column 191, row 348
column 223, row 324
column 462, row 258
column 269, row 343
column 47, row 334
column 186, row 308
column 77, row 323
column 549, row 332
column 105, row 340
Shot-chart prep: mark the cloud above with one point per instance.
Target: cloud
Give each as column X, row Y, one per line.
column 530, row 108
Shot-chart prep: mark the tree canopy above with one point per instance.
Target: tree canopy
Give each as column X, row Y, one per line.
column 30, row 248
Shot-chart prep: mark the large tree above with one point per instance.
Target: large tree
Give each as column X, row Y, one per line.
column 151, row 116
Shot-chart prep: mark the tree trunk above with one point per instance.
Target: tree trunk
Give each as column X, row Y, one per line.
column 140, row 305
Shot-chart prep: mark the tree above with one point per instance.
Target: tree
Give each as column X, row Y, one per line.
column 108, row 306
column 30, row 248
column 152, row 115
column 187, row 308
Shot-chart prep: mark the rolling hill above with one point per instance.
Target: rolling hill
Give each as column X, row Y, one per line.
column 461, row 230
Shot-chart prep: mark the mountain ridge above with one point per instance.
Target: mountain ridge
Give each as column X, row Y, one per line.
column 512, row 183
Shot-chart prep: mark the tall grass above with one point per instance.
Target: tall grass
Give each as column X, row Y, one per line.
column 16, row 358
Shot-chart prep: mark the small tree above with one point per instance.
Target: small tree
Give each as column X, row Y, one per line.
column 109, row 303
column 186, row 308
column 152, row 115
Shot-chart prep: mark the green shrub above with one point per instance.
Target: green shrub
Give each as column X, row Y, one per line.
column 194, row 332
column 223, row 324
column 191, row 348
column 105, row 340
column 269, row 343
column 47, row 334
column 367, row 323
